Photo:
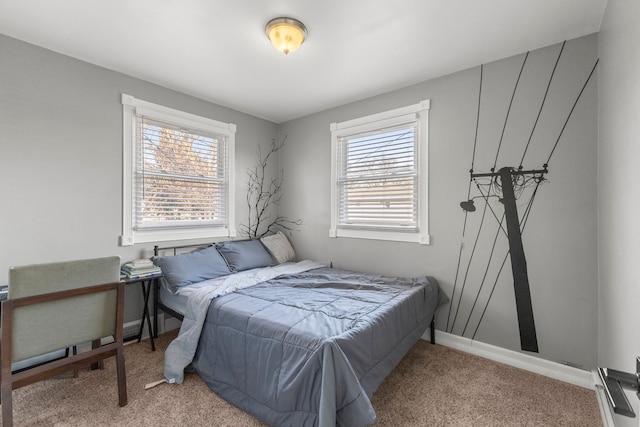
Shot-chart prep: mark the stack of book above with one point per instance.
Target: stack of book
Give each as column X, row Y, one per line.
column 139, row 269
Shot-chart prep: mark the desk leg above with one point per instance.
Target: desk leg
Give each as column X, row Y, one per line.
column 155, row 285
column 146, row 291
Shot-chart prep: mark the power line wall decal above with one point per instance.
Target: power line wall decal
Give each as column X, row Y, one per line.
column 508, row 184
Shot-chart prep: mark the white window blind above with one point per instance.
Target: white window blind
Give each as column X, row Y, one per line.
column 379, row 176
column 180, row 176
column 378, row 179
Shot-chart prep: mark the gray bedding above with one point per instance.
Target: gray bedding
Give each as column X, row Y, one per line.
column 309, row 349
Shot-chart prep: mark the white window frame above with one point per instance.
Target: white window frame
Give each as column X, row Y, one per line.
column 132, row 107
column 418, row 113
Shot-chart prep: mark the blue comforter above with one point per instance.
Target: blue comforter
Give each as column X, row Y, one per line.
column 309, row 349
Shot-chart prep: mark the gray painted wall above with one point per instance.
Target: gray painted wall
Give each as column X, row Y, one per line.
column 560, row 239
column 60, row 174
column 61, row 157
column 618, row 184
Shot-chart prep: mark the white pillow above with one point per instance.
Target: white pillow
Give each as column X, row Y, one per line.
column 279, row 247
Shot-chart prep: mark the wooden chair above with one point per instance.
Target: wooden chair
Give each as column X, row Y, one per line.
column 57, row 306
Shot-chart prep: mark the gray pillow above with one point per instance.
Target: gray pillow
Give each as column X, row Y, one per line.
column 192, row 267
column 279, row 247
column 245, row 254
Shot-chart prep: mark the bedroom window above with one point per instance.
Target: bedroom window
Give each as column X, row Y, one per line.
column 379, row 176
column 178, row 175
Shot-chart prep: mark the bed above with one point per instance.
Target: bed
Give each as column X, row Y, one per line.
column 292, row 343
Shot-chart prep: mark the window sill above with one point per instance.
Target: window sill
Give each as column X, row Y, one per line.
column 152, row 236
column 397, row 236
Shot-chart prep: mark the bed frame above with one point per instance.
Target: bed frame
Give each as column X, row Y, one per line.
column 158, row 305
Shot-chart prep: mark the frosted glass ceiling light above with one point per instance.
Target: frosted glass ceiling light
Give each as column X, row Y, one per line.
column 286, row 34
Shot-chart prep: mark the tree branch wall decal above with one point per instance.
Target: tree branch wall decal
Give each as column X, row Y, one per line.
column 263, row 197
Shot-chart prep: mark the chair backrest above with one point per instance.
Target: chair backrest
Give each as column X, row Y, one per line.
column 46, row 327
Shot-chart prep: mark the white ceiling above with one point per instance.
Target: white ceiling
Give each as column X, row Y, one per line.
column 217, row 49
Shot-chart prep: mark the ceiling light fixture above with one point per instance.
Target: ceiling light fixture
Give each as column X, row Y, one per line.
column 286, row 34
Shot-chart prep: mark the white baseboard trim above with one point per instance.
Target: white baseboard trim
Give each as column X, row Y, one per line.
column 132, row 328
column 550, row 369
column 165, row 324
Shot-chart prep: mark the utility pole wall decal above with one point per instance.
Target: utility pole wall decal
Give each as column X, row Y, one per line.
column 507, row 184
column 524, row 307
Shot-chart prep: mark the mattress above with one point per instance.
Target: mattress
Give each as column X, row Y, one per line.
column 177, row 303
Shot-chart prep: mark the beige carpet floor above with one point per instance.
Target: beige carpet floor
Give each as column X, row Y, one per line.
column 432, row 386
